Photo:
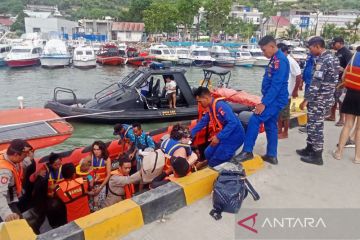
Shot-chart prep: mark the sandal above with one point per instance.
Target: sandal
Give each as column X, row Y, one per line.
column 339, row 124
column 330, row 119
column 336, row 155
column 356, row 161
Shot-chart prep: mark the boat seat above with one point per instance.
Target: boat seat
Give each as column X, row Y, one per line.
column 155, row 89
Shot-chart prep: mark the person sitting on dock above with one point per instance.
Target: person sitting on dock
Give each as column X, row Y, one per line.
column 228, row 133
column 121, row 183
column 170, row 88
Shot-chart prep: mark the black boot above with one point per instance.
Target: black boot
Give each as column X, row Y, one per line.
column 305, row 151
column 244, row 156
column 315, row 157
column 272, row 160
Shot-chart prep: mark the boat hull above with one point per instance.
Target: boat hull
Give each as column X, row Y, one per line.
column 224, row 63
column 48, row 129
column 23, row 62
column 244, row 62
column 261, row 62
column 202, row 63
column 52, row 62
column 2, row 62
column 84, row 63
column 113, row 61
column 184, row 61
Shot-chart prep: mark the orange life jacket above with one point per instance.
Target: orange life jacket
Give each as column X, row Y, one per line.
column 214, row 126
column 352, row 74
column 74, row 195
column 53, row 180
column 100, row 169
column 17, row 174
column 129, row 189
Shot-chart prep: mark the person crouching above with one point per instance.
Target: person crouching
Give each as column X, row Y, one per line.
column 73, row 193
column 121, row 185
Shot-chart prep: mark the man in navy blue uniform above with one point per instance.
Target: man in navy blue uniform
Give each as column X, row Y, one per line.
column 227, row 132
column 275, row 97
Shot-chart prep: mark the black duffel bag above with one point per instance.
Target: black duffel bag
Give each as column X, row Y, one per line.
column 230, row 189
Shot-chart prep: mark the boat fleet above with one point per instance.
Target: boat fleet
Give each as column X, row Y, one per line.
column 59, row 53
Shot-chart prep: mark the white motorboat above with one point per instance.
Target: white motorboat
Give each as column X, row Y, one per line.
column 84, row 57
column 244, row 59
column 200, row 56
column 55, row 54
column 256, row 53
column 183, row 56
column 163, row 53
column 222, row 56
column 23, row 56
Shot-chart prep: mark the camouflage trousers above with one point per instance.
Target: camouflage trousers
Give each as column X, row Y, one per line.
column 316, row 112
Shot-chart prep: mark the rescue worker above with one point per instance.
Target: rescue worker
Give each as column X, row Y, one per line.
column 227, row 131
column 275, row 97
column 11, row 174
column 344, row 55
column 121, row 184
column 73, row 193
column 319, row 100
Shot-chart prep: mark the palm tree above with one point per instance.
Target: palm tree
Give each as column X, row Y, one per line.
column 292, row 31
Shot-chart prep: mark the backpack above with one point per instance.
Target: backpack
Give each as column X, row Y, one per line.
column 230, row 189
column 152, row 165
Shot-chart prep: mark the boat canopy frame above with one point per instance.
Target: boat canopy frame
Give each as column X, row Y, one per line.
column 223, row 73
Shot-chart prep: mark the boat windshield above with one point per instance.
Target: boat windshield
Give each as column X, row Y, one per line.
column 200, row 53
column 245, row 54
column 132, row 79
column 79, row 53
column 17, row 50
column 165, row 51
column 223, row 54
column 172, row 51
column 182, row 51
column 257, row 54
column 89, row 53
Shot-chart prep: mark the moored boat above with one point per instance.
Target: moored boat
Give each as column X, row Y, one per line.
column 183, row 56
column 222, row 56
column 244, row 59
column 55, row 54
column 40, row 127
column 163, row 53
column 23, row 56
column 84, row 57
column 4, row 51
column 200, row 56
column 109, row 54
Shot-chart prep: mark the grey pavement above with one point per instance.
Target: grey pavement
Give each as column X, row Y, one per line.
column 291, row 184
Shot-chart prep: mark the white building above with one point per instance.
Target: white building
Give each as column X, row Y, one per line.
column 128, row 31
column 318, row 20
column 51, row 24
column 247, row 14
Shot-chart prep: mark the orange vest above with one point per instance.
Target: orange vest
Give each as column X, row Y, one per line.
column 52, row 181
column 99, row 170
column 215, row 125
column 352, row 74
column 129, row 189
column 74, row 195
column 17, row 174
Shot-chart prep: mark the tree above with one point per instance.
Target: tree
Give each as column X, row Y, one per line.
column 292, row 31
column 216, row 15
column 19, row 25
column 161, row 16
column 136, row 9
column 187, row 9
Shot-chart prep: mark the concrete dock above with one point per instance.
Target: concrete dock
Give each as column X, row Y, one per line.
column 290, row 184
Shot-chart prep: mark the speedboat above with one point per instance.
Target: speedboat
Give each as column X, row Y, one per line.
column 109, row 54
column 255, row 51
column 23, row 56
column 4, row 51
column 183, row 56
column 222, row 56
column 40, row 127
column 300, row 55
column 55, row 54
column 123, row 101
column 200, row 56
column 138, row 59
column 163, row 53
column 244, row 59
column 84, row 57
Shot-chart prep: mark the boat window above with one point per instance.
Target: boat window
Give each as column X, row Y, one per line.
column 223, row 54
column 89, row 53
column 79, row 53
column 165, row 51
column 2, row 50
column 172, row 51
column 297, row 52
column 16, row 50
column 200, row 53
column 182, row 51
column 257, row 54
column 132, row 79
column 156, row 52
column 245, row 54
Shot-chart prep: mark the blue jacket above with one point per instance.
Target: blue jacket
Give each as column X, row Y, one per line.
column 232, row 127
column 169, row 146
column 274, row 86
column 308, row 69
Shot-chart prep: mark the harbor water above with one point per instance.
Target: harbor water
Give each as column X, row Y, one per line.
column 36, row 85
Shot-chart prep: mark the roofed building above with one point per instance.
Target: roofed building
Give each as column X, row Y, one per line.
column 128, row 31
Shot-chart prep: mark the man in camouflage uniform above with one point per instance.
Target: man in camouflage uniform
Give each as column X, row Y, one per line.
column 319, row 98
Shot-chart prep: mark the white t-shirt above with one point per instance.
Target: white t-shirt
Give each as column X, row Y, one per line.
column 294, row 71
column 170, row 87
